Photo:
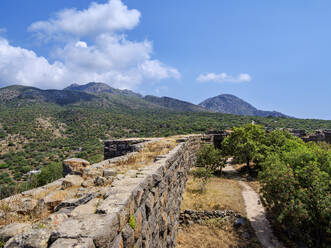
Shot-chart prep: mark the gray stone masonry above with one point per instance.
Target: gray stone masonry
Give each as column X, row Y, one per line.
column 140, row 208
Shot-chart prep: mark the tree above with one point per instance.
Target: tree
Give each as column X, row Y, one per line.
column 210, row 158
column 296, row 191
column 246, row 143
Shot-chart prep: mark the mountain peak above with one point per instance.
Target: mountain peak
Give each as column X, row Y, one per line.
column 100, row 88
column 230, row 104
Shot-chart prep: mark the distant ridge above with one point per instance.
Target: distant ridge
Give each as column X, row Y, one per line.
column 174, row 104
column 96, row 94
column 230, row 104
column 100, row 88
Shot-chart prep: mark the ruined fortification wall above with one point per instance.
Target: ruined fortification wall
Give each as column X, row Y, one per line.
column 137, row 209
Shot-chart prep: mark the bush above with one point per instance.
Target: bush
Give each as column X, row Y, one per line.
column 47, row 175
column 204, row 174
column 210, row 158
column 296, row 192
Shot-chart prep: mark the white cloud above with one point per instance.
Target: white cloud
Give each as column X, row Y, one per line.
column 97, row 19
column 108, row 56
column 19, row 65
column 224, row 78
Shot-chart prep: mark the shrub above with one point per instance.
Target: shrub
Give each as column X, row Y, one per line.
column 210, row 158
column 132, row 222
column 296, row 192
column 204, row 174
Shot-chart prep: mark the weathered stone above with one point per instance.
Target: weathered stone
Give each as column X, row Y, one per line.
column 85, row 209
column 128, row 236
column 54, row 198
column 12, row 230
column 72, row 181
column 239, row 222
column 92, row 172
column 73, row 243
column 100, row 181
column 116, row 148
column 103, row 216
column 118, row 242
column 111, row 172
column 72, row 203
column 74, row 166
column 55, row 219
column 101, row 228
column 22, row 205
column 138, row 221
column 35, row 238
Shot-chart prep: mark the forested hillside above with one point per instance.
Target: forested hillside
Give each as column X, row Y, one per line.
column 38, row 127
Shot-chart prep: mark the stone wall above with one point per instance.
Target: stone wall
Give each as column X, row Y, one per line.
column 101, row 208
column 116, row 148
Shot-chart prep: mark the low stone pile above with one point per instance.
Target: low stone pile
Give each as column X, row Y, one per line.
column 189, row 216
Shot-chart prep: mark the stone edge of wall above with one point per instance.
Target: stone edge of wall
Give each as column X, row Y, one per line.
column 140, row 210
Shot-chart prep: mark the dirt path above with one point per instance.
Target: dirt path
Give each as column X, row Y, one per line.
column 255, row 213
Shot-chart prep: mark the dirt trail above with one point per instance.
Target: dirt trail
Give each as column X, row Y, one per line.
column 255, row 213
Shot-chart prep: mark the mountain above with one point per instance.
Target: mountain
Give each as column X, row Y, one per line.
column 230, row 104
column 94, row 95
column 100, row 88
column 174, row 104
column 102, row 95
column 24, row 94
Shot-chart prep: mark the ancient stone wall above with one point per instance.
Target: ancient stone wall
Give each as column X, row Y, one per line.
column 116, row 148
column 97, row 207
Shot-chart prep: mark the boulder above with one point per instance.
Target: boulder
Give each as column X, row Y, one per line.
column 85, row 209
column 109, row 172
column 74, row 243
column 55, row 219
column 85, row 226
column 74, row 166
column 35, row 238
column 12, row 230
column 72, row 181
column 55, row 198
column 23, row 205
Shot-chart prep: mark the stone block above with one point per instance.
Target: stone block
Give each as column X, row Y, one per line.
column 111, row 172
column 73, row 243
column 74, row 166
column 101, row 228
column 13, row 229
column 72, row 181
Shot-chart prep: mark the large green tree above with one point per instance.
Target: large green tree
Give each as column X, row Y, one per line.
column 246, row 143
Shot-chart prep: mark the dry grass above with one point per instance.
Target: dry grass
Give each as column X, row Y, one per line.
column 220, row 193
column 212, row 236
column 148, row 154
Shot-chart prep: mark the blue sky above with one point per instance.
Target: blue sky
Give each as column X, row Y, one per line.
column 273, row 54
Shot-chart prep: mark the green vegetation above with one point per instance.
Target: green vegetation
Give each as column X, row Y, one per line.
column 210, row 158
column 246, row 143
column 295, row 181
column 296, row 190
column 132, row 222
column 209, row 162
column 79, row 131
column 204, row 174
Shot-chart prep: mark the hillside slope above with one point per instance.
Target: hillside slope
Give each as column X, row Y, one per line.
column 174, row 104
column 230, row 104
